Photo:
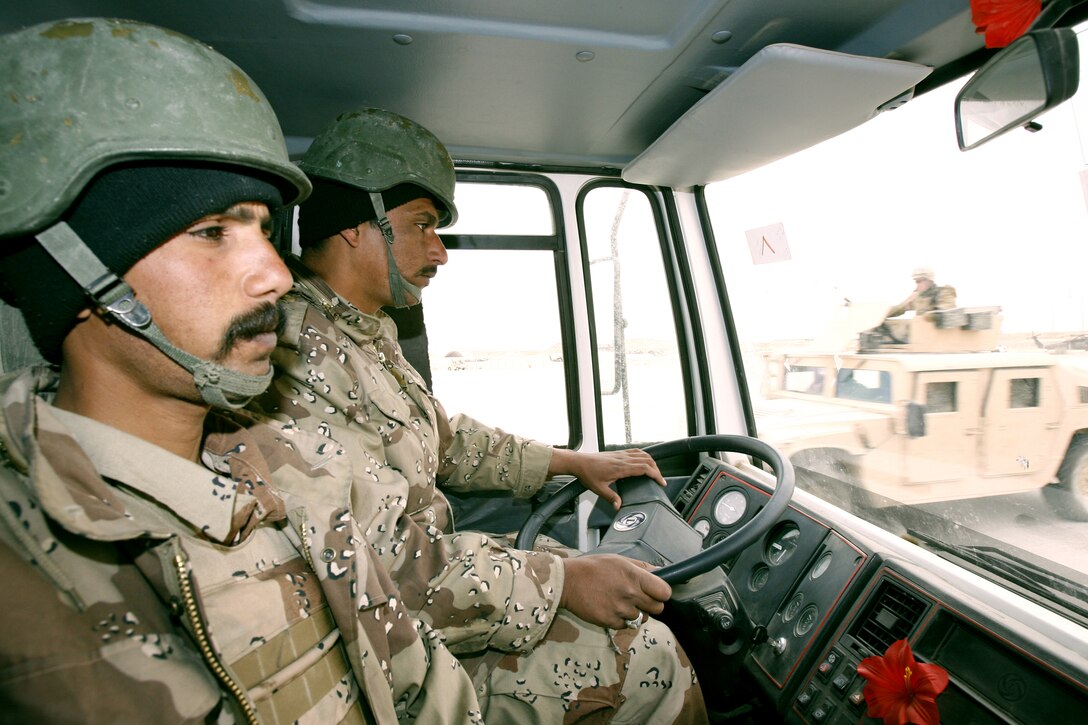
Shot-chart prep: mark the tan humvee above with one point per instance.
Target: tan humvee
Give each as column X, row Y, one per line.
column 930, row 409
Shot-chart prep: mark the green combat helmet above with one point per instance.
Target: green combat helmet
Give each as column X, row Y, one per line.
column 82, row 95
column 376, row 150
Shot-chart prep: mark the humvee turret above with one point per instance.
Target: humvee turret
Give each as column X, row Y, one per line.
column 934, row 408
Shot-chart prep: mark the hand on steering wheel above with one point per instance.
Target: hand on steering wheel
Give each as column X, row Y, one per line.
column 645, row 507
column 611, row 590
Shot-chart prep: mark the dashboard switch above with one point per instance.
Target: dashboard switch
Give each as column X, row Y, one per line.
column 807, row 696
column 822, row 712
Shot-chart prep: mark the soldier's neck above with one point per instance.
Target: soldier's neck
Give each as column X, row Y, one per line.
column 170, row 423
column 336, row 266
column 121, row 380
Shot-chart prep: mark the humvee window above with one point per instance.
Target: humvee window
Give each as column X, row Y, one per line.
column 941, row 397
column 804, row 379
column 869, row 385
column 1024, row 393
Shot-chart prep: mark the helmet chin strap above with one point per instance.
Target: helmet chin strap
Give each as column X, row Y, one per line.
column 398, row 285
column 219, row 386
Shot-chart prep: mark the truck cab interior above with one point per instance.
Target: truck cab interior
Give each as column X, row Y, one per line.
column 655, row 197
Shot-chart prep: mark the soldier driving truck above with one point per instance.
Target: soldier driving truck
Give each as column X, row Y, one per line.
column 524, row 623
column 167, row 557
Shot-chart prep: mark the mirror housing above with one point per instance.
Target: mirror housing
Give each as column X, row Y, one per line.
column 916, row 420
column 1035, row 73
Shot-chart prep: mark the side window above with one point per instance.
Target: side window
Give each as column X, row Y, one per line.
column 1024, row 393
column 874, row 386
column 941, row 397
column 637, row 355
column 804, row 379
column 492, row 312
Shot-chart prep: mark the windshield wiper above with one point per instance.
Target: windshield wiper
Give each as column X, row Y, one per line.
column 1040, row 578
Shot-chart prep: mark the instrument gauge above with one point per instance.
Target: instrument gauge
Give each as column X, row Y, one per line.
column 730, row 507
column 806, row 620
column 793, row 607
column 821, row 565
column 703, row 527
column 759, row 577
column 782, row 542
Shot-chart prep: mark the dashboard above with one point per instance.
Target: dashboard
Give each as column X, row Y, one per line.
column 825, row 595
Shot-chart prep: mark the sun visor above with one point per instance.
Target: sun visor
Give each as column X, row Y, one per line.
column 784, row 99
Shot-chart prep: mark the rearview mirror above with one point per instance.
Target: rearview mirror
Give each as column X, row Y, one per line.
column 1033, row 74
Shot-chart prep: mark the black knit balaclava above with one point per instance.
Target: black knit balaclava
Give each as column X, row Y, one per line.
column 122, row 215
column 334, row 207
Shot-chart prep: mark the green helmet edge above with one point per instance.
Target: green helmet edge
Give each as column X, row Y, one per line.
column 374, row 150
column 52, row 148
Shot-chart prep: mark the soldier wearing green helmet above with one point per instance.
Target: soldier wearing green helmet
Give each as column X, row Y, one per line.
column 167, row 556
column 528, row 625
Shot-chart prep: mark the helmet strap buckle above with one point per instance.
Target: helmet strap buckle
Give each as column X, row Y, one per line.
column 398, row 285
column 109, row 291
column 130, row 310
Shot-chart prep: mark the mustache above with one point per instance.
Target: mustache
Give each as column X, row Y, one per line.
column 267, row 317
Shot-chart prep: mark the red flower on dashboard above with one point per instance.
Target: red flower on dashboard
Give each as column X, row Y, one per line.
column 900, row 689
column 1003, row 21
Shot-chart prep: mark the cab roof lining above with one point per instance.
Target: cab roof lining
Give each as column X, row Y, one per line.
column 566, row 83
column 739, row 126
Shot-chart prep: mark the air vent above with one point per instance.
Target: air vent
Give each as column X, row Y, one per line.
column 692, row 489
column 892, row 614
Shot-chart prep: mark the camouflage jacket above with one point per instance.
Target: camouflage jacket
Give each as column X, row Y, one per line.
column 146, row 588
column 941, row 297
column 340, row 372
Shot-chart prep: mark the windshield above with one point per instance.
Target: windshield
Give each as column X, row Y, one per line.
column 914, row 320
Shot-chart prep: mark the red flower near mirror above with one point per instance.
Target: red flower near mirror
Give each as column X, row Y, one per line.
column 1003, row 21
column 900, row 689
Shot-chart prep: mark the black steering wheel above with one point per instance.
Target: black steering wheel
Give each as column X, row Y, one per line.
column 647, row 526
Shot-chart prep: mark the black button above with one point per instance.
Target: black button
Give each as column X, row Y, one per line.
column 841, row 682
column 825, row 668
column 805, row 698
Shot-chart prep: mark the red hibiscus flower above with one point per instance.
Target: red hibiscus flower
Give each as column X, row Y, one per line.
column 1003, row 21
column 900, row 689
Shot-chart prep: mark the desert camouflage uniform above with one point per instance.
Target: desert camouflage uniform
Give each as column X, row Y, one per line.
column 341, row 372
column 935, row 298
column 123, row 563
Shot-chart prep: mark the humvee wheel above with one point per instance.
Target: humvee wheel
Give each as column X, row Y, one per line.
column 1069, row 496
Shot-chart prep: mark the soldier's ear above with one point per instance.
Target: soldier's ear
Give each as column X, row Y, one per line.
column 351, row 236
